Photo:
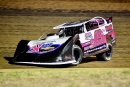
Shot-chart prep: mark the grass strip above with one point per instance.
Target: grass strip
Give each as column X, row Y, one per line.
column 71, row 77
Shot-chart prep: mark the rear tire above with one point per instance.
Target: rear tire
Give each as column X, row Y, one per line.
column 78, row 54
column 105, row 56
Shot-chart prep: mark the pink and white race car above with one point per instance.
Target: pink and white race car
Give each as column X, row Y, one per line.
column 74, row 41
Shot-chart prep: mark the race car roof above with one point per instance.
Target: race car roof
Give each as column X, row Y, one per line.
column 77, row 23
column 70, row 24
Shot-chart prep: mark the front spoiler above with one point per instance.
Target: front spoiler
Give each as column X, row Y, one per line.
column 54, row 63
column 60, row 56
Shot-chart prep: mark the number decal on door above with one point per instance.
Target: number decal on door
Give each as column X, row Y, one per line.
column 99, row 38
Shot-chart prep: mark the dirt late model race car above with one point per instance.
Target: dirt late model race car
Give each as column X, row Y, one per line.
column 74, row 41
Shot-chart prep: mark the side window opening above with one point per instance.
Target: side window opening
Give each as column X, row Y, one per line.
column 88, row 26
column 78, row 29
column 95, row 25
column 91, row 25
column 71, row 31
column 101, row 22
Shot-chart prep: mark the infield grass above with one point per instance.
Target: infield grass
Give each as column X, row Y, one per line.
column 82, row 77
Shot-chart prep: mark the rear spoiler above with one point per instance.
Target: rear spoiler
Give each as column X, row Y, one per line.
column 108, row 19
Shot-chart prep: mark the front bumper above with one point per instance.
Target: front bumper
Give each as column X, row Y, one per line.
column 62, row 55
column 41, row 63
column 48, row 59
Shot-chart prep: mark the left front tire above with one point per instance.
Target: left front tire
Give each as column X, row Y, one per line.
column 78, row 54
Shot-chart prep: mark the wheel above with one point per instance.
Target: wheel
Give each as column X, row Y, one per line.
column 78, row 54
column 105, row 56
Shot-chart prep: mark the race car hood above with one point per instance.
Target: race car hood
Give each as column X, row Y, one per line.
column 56, row 51
column 45, row 46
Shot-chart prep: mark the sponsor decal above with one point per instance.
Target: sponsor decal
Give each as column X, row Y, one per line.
column 46, row 48
column 96, row 48
column 34, row 49
column 88, row 36
column 94, row 44
column 43, row 48
column 86, row 45
column 45, row 45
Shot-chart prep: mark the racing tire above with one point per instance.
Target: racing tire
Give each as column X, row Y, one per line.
column 105, row 56
column 78, row 55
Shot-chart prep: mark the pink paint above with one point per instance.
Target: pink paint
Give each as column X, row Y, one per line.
column 36, row 48
column 83, row 44
column 86, row 48
column 109, row 27
column 112, row 34
column 98, row 38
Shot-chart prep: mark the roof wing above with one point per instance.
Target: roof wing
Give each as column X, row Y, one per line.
column 59, row 26
column 77, row 23
column 70, row 24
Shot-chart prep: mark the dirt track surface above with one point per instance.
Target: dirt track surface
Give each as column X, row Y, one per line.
column 15, row 28
column 27, row 20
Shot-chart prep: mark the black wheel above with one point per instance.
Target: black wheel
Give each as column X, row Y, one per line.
column 105, row 56
column 20, row 47
column 78, row 54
